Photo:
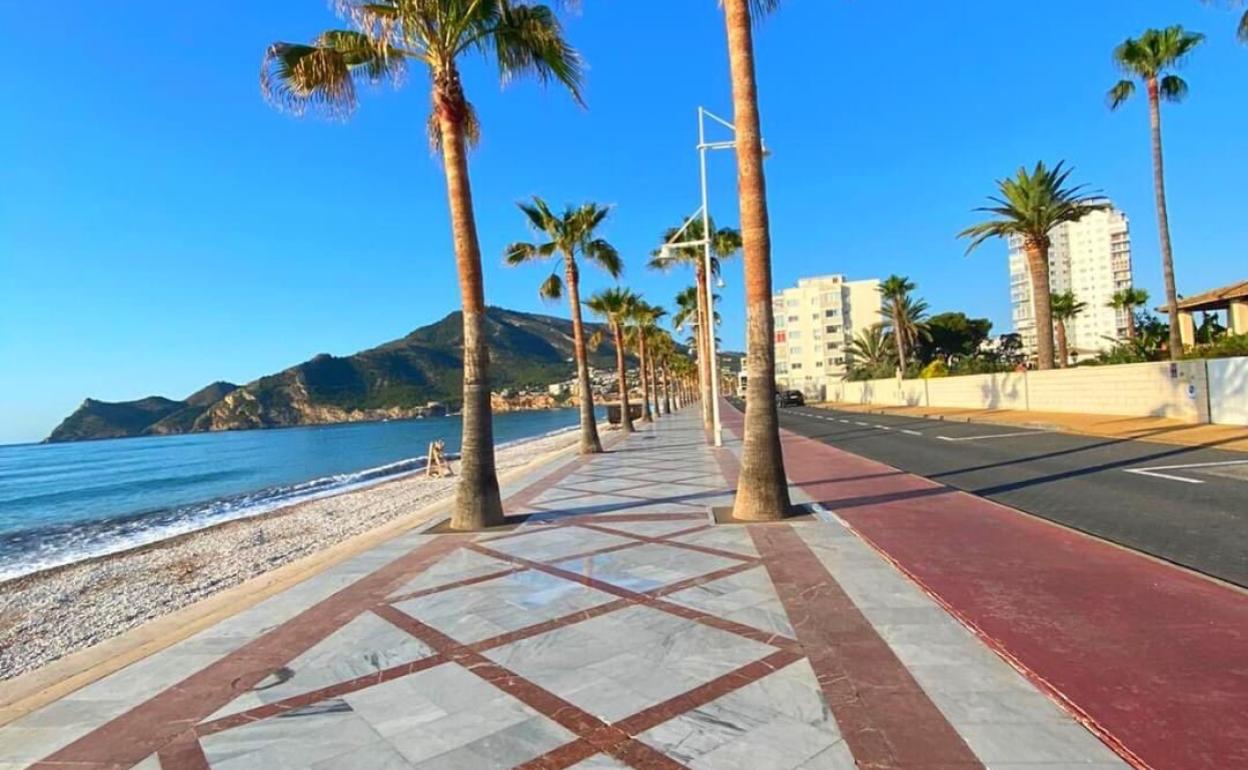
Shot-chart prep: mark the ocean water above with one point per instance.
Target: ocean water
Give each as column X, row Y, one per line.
column 63, row 502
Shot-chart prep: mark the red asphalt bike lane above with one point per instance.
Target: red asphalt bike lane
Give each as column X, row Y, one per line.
column 1150, row 656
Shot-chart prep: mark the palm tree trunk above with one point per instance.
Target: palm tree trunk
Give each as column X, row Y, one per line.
column 656, row 394
column 704, row 347
column 762, row 491
column 1038, row 266
column 899, row 338
column 643, row 363
column 667, row 390
column 1163, row 222
column 477, row 501
column 626, row 419
column 590, row 443
column 1063, row 352
column 1130, row 322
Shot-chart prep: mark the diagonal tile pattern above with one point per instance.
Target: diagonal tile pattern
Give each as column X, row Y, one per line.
column 616, row 628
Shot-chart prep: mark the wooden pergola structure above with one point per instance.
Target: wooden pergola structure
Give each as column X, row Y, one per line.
column 1233, row 299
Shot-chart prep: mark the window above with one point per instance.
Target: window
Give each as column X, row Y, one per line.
column 795, row 335
column 795, row 366
column 833, row 345
column 795, row 351
column 792, row 319
column 780, row 336
column 818, row 364
column 792, row 303
column 830, row 313
column 833, row 330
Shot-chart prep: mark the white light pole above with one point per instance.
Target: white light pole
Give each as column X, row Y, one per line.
column 705, row 243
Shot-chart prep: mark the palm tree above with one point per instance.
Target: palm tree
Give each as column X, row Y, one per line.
column 1126, row 301
column 526, row 39
column 1065, row 307
column 569, row 235
column 642, row 319
column 896, row 290
column 663, row 348
column 1149, row 58
column 613, row 306
column 872, row 348
column 1032, row 204
column 762, row 491
column 725, row 242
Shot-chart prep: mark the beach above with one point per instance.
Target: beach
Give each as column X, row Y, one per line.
column 49, row 614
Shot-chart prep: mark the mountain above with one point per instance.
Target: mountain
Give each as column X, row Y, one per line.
column 398, row 379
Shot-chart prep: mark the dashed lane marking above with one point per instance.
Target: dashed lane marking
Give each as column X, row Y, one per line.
column 909, row 432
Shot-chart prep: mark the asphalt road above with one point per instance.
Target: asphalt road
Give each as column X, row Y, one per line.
column 1129, row 492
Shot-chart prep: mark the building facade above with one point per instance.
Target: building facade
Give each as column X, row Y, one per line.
column 815, row 323
column 1092, row 258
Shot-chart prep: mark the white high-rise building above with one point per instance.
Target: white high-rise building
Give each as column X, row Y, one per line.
column 815, row 323
column 1092, row 258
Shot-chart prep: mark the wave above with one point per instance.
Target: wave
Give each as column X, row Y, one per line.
column 44, row 547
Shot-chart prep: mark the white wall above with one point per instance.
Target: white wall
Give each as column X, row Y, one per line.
column 1228, row 390
column 1192, row 391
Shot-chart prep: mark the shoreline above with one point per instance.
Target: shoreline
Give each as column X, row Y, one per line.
column 49, row 614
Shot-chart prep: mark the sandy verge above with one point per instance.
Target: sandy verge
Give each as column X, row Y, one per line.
column 47, row 615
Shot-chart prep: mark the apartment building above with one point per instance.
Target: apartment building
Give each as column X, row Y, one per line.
column 1092, row 258
column 815, row 323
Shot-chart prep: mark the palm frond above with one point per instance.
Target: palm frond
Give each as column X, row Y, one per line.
column 528, row 40
column 551, row 288
column 1242, row 32
column 519, row 253
column 605, row 256
column 1172, row 88
column 1120, row 93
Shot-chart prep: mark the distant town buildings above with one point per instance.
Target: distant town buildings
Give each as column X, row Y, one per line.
column 1092, row 258
column 815, row 323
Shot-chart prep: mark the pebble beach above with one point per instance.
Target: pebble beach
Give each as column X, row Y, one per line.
column 47, row 615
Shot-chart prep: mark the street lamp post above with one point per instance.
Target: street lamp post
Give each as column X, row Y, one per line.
column 705, row 243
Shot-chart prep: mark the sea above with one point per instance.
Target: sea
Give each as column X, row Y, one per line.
column 60, row 503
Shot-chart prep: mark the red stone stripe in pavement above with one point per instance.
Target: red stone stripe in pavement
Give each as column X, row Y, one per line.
column 1152, row 657
column 154, row 724
column 886, row 718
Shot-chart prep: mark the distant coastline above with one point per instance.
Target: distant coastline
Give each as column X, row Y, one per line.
column 419, row 375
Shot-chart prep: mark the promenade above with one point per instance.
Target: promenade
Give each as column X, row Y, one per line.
column 614, row 627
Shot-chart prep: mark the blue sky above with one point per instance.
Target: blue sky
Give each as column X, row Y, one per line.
column 162, row 227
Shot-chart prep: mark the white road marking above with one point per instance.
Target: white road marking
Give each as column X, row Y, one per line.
column 1153, row 471
column 883, row 427
column 863, row 424
column 994, row 435
column 911, row 432
column 845, row 421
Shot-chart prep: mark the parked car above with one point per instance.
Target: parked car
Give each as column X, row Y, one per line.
column 790, row 398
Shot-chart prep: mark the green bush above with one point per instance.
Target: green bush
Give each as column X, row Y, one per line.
column 1226, row 346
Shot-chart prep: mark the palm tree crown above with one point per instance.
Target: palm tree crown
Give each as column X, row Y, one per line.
column 569, row 235
column 1066, row 306
column 725, row 242
column 526, row 39
column 1031, row 204
column 1149, row 57
column 872, row 348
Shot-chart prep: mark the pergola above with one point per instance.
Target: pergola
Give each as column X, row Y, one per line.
column 1233, row 299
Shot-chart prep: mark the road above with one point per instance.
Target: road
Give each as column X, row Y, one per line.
column 1188, row 505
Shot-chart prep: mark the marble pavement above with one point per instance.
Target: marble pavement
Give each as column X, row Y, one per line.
column 617, row 627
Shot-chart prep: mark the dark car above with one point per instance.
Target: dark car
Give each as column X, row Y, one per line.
column 790, row 398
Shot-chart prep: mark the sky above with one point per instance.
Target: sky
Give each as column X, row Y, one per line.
column 162, row 227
